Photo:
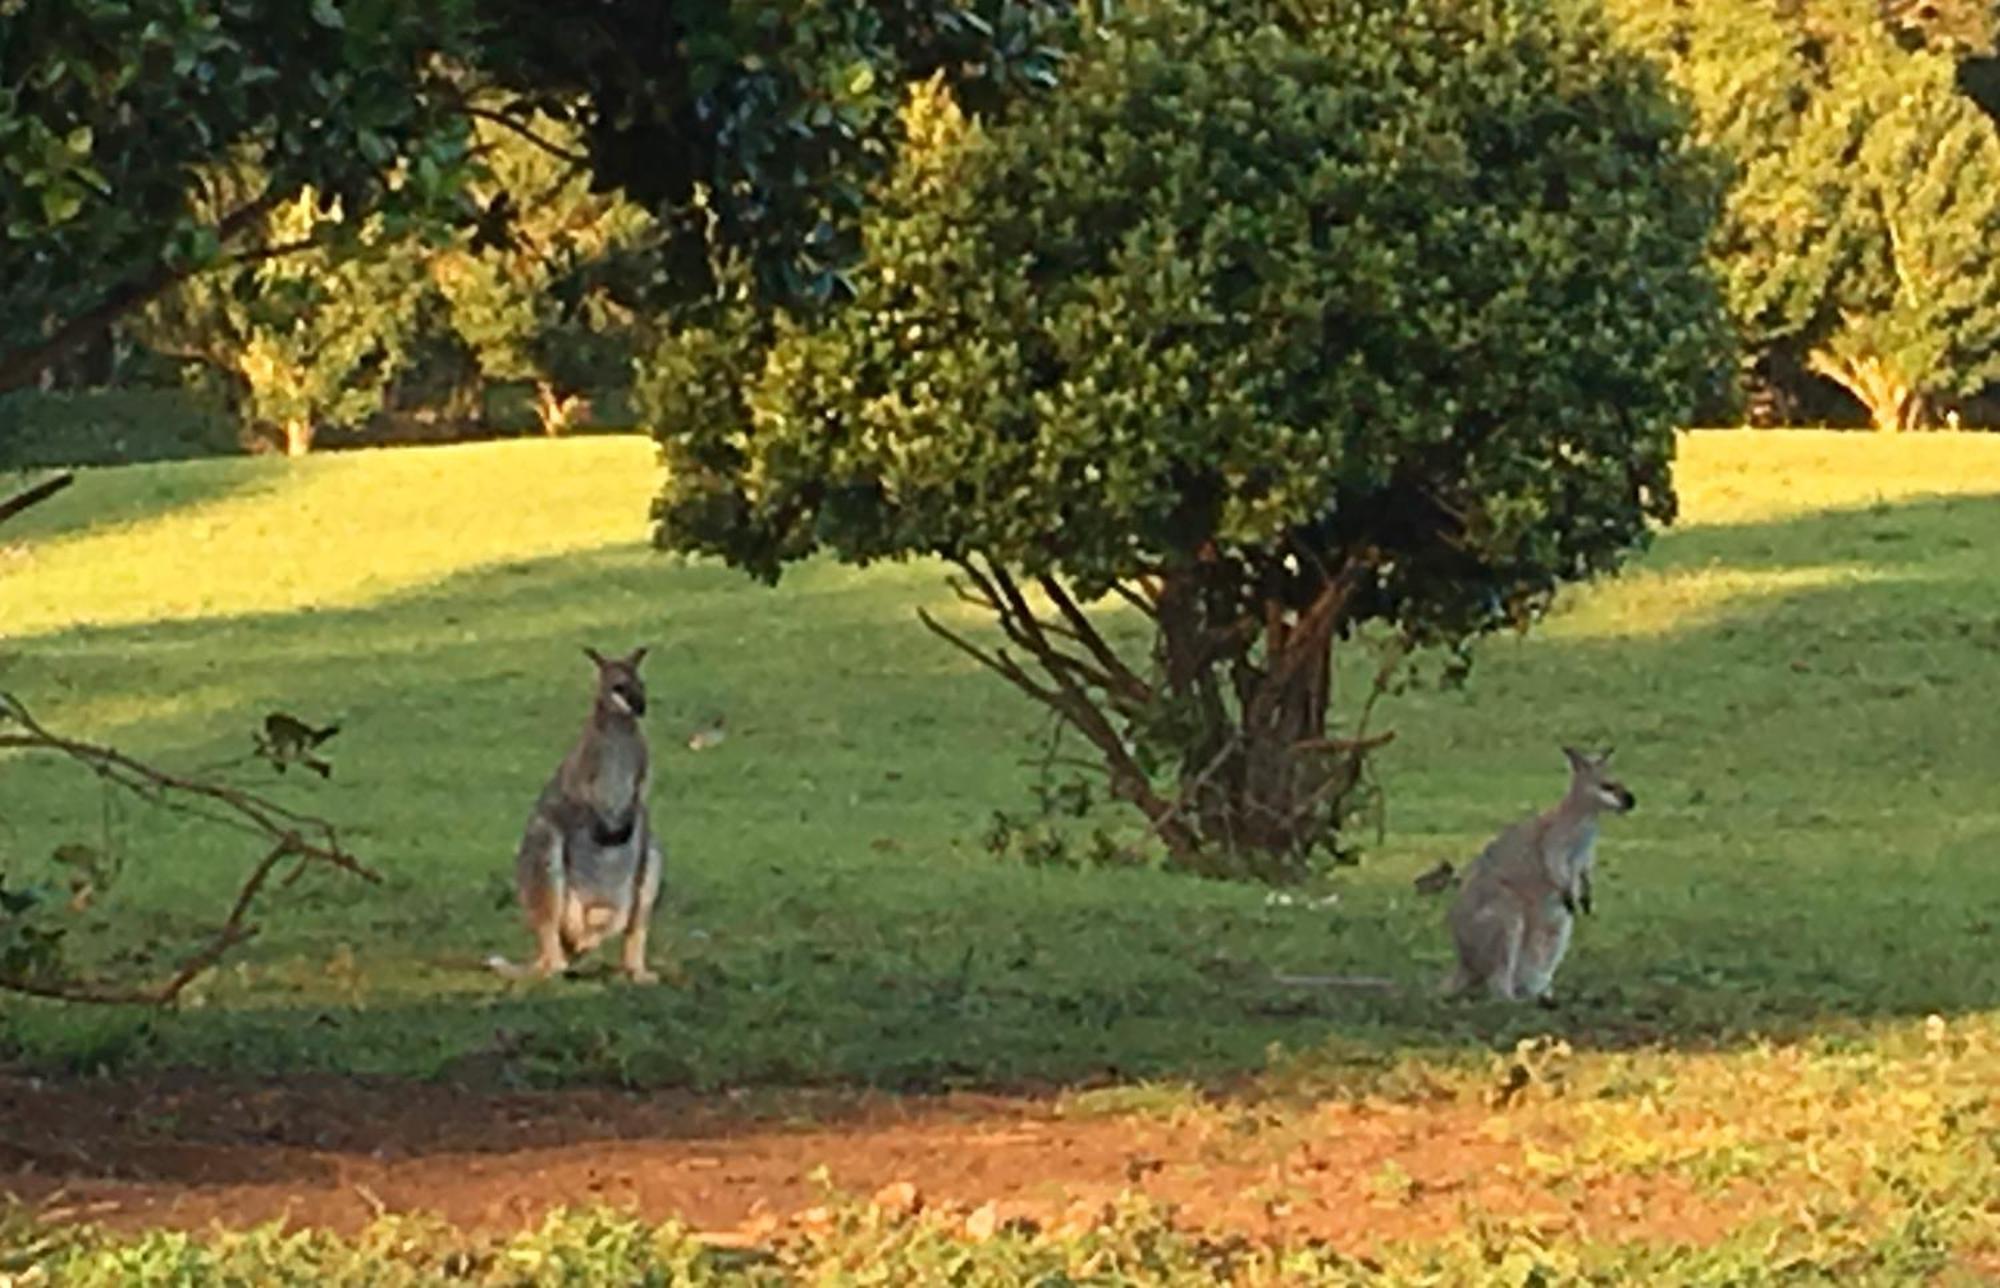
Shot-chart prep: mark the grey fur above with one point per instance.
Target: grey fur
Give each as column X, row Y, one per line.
column 589, row 865
column 1516, row 907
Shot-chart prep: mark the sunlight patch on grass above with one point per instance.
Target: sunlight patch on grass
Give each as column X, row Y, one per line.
column 336, row 531
column 1651, row 603
column 1737, row 477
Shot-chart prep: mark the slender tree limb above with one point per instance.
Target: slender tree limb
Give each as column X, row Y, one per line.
column 521, row 128
column 21, row 366
column 1084, row 632
column 35, row 495
column 994, row 661
column 1145, row 600
column 291, row 834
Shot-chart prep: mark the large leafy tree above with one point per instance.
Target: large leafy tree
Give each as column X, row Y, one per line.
column 757, row 123
column 113, row 111
column 553, row 302
column 1862, row 232
column 304, row 341
column 1277, row 323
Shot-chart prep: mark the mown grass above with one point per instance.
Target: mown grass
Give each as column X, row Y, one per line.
column 1797, row 679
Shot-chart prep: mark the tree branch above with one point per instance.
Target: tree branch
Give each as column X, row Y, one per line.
column 996, row 661
column 291, row 834
column 1085, row 633
column 507, row 122
column 1127, row 778
column 20, row 366
column 35, row 495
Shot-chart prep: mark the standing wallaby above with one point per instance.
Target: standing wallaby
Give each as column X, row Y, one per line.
column 589, row 865
column 1516, row 906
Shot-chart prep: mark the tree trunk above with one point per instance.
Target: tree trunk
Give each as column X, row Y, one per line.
column 1893, row 406
column 1263, row 782
column 1234, row 713
column 298, row 436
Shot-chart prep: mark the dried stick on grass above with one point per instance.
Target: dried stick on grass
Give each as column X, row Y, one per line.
column 288, row 833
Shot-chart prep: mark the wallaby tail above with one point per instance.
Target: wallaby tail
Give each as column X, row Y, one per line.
column 1364, row 983
column 501, row 966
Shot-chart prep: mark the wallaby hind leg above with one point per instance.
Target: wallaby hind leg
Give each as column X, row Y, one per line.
column 539, row 878
column 1489, row 948
column 1546, row 943
column 651, row 865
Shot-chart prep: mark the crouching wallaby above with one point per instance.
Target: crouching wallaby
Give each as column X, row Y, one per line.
column 1517, row 903
column 589, row 865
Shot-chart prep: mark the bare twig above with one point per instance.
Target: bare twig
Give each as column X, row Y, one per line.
column 291, row 834
column 507, row 122
column 1122, row 680
column 996, row 660
column 1346, row 746
column 35, row 495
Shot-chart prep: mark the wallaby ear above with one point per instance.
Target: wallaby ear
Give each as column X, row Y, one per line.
column 1577, row 760
column 638, row 656
column 1605, row 755
column 594, row 655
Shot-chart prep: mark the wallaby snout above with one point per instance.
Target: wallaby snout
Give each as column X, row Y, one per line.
column 618, row 684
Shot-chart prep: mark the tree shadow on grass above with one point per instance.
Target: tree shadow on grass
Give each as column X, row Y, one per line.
column 1813, row 765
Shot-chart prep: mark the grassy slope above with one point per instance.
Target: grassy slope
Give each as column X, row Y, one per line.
column 1798, row 680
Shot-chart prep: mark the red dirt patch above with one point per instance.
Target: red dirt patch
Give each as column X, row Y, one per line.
column 192, row 1151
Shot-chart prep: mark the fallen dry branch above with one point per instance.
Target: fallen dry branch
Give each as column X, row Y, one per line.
column 287, row 833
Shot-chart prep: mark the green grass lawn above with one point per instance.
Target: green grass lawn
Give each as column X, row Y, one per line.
column 1799, row 681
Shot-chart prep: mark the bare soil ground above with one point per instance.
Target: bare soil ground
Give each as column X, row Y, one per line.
column 193, row 1151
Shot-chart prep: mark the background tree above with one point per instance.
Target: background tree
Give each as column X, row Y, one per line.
column 1862, row 232
column 113, row 110
column 540, row 302
column 1275, row 322
column 307, row 340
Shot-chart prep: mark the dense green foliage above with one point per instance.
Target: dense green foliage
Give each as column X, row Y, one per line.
column 112, row 109
column 767, row 117
column 1282, row 320
column 1862, row 239
column 1130, row 1240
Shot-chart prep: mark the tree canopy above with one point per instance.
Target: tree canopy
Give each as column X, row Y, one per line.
column 1276, row 319
column 1862, row 232
column 764, row 119
column 112, row 112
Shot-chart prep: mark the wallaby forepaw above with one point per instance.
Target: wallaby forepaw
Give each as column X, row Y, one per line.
column 641, row 975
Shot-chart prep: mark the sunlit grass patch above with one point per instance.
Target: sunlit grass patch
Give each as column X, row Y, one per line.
column 320, row 533
column 1797, row 692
